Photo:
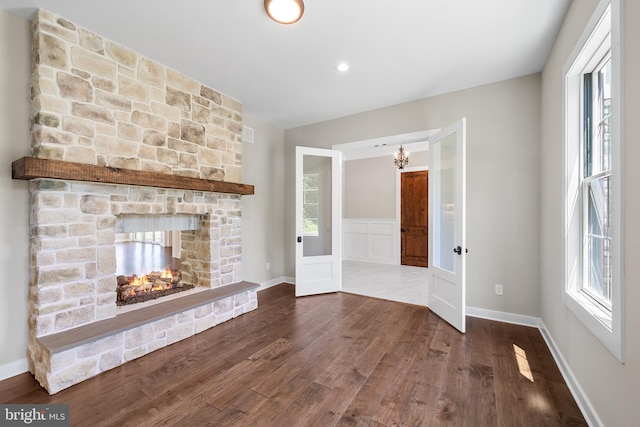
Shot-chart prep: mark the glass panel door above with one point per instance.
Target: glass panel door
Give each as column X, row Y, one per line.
column 318, row 221
column 444, row 154
column 317, row 205
column 447, row 240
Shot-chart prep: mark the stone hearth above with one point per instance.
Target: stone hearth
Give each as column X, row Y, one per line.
column 99, row 103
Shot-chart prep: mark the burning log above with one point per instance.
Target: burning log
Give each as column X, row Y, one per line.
column 133, row 289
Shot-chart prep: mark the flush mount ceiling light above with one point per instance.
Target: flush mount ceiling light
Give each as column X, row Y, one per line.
column 284, row 11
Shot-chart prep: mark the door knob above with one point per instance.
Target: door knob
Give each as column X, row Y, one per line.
column 402, row 230
column 458, row 250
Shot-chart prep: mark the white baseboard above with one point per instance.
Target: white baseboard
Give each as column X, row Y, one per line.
column 500, row 316
column 583, row 402
column 588, row 412
column 14, row 368
column 276, row 281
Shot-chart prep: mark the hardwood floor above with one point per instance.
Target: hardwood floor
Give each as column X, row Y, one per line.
column 336, row 359
column 143, row 258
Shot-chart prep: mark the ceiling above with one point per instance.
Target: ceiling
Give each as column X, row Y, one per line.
column 399, row 50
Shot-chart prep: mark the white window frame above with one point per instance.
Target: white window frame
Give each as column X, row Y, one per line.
column 601, row 34
column 600, row 58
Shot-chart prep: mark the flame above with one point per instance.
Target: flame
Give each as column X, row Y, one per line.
column 139, row 281
column 145, row 284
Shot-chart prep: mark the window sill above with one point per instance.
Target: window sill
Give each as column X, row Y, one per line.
column 593, row 309
column 596, row 319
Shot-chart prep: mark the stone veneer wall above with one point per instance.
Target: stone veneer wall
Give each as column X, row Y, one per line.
column 73, row 266
column 97, row 102
column 73, row 256
column 58, row 371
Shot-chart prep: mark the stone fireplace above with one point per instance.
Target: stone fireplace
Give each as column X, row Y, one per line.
column 97, row 103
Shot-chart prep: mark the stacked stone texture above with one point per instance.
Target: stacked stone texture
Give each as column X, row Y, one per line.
column 73, row 256
column 96, row 102
column 60, row 370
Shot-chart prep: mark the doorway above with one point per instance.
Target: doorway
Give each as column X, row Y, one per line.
column 445, row 234
column 414, row 218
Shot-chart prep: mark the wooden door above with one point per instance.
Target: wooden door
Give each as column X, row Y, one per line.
column 414, row 218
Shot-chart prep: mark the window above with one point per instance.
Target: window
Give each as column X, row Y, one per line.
column 310, row 204
column 148, row 237
column 593, row 237
column 596, row 182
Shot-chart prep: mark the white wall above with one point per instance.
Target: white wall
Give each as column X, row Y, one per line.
column 370, row 186
column 611, row 387
column 15, row 72
column 263, row 212
column 503, row 130
column 371, row 240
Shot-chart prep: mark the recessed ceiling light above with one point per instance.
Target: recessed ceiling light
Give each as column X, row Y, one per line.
column 342, row 67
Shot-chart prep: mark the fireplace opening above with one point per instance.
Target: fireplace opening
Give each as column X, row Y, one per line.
column 146, row 268
column 148, row 263
column 134, row 289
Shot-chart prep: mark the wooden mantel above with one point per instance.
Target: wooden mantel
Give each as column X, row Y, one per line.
column 28, row 168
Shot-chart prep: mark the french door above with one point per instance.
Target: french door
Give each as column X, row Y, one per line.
column 318, row 221
column 447, row 222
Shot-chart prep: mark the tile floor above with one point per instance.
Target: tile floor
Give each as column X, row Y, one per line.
column 392, row 282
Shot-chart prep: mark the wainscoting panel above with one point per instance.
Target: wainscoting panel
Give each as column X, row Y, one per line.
column 371, row 240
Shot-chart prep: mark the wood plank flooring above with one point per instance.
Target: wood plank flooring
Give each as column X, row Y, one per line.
column 329, row 360
column 143, row 258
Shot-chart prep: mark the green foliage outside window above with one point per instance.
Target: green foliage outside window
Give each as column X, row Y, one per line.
column 310, row 204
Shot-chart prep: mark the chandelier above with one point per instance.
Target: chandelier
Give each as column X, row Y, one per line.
column 401, row 158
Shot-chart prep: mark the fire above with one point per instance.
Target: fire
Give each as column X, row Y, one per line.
column 150, row 284
column 144, row 280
